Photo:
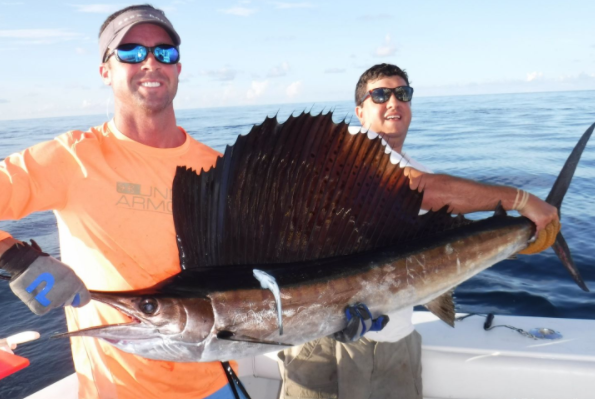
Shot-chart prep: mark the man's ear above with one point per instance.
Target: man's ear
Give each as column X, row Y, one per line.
column 106, row 74
column 359, row 112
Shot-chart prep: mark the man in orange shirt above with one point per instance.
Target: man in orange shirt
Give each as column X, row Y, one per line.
column 110, row 189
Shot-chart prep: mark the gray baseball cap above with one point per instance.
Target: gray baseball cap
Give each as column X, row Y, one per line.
column 115, row 31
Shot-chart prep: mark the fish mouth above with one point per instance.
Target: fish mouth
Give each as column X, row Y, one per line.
column 111, row 332
column 136, row 329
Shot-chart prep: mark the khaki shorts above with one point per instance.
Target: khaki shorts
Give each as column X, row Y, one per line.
column 329, row 369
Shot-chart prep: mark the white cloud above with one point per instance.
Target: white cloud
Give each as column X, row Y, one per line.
column 334, row 70
column 186, row 77
column 223, row 74
column 98, row 8
column 80, row 51
column 229, row 93
column 258, row 88
column 531, row 76
column 37, row 34
column 581, row 77
column 285, row 5
column 294, row 89
column 387, row 50
column 278, row 71
column 88, row 104
column 239, row 11
column 3, row 101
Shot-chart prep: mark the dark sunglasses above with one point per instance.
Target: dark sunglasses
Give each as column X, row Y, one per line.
column 133, row 53
column 381, row 95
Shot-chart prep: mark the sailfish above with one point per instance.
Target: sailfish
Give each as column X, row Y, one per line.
column 296, row 221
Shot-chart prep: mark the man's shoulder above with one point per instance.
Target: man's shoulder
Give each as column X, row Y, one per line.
column 71, row 141
column 74, row 137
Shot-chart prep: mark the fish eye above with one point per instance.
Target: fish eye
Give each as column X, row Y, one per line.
column 148, row 305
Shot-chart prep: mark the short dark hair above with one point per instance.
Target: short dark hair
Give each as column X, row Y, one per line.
column 123, row 10
column 376, row 72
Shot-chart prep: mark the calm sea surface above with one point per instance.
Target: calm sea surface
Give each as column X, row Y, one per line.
column 514, row 139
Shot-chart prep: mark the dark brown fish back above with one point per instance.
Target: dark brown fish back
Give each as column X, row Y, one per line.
column 305, row 189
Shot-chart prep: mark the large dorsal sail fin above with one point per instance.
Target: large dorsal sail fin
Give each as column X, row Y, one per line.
column 305, row 189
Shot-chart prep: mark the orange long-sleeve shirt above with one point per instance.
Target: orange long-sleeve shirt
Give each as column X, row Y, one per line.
column 112, row 199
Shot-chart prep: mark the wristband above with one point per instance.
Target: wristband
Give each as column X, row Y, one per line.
column 520, row 201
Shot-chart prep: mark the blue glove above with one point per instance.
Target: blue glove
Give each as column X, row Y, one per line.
column 41, row 281
column 359, row 322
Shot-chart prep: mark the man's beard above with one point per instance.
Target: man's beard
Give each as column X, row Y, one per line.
column 153, row 105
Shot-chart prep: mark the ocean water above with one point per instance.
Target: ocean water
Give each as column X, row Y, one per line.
column 514, row 139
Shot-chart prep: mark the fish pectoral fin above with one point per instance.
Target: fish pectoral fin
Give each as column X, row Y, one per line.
column 443, row 307
column 269, row 282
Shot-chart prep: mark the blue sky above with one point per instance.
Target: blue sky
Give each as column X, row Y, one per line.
column 271, row 52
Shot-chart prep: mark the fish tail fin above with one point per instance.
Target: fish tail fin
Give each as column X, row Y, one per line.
column 555, row 198
column 561, row 249
column 562, row 183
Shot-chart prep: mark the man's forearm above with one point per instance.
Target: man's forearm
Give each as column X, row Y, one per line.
column 462, row 195
column 467, row 196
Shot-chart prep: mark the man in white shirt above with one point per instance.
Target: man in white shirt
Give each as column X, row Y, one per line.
column 387, row 363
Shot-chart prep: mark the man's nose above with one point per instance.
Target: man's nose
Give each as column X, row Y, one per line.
column 392, row 100
column 151, row 62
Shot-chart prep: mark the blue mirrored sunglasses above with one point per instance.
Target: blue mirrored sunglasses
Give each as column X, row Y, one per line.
column 132, row 53
column 381, row 95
